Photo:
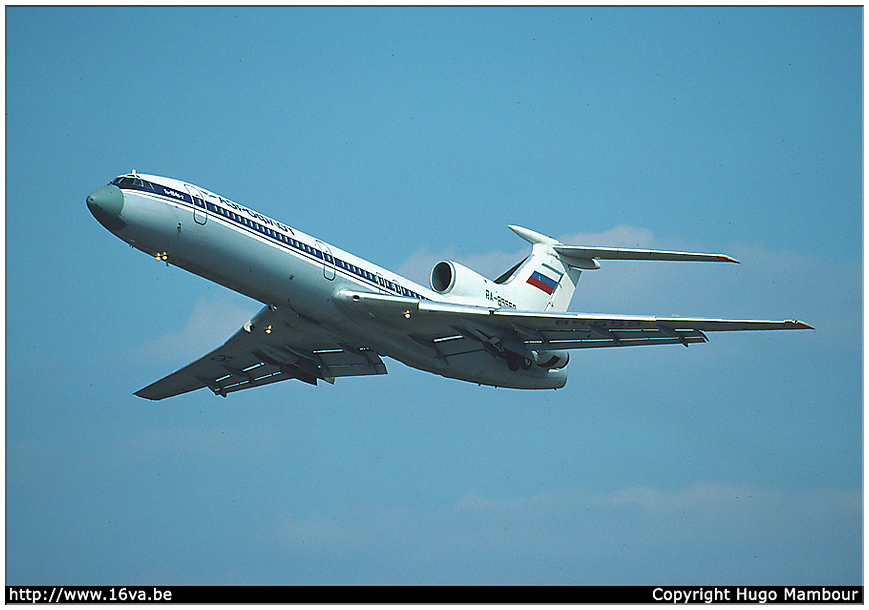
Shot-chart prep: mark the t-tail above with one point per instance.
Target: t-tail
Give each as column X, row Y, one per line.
column 547, row 279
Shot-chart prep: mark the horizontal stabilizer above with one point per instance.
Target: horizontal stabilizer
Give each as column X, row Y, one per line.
column 631, row 254
column 585, row 257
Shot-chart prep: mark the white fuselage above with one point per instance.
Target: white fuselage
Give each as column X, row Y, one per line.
column 279, row 266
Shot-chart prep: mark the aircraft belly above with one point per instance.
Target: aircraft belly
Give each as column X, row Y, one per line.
column 466, row 363
column 482, row 368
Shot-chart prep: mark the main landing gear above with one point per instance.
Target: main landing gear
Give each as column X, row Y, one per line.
column 515, row 362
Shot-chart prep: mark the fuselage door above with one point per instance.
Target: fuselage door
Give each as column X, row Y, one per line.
column 328, row 260
column 200, row 210
column 381, row 284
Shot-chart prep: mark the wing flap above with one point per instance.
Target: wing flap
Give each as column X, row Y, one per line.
column 579, row 331
column 443, row 326
column 268, row 349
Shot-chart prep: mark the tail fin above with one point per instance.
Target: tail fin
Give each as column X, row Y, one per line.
column 547, row 279
column 544, row 281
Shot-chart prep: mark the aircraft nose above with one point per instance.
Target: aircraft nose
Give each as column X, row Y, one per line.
column 106, row 204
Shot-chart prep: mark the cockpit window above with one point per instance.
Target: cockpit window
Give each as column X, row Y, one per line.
column 132, row 182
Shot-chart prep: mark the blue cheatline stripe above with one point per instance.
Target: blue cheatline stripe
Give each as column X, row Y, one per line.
column 286, row 241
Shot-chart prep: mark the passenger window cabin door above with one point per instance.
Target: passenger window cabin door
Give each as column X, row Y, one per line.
column 381, row 284
column 328, row 260
column 200, row 210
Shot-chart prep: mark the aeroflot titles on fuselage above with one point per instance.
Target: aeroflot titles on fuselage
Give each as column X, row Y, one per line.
column 139, row 184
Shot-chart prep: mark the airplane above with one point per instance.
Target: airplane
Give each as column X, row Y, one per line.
column 328, row 314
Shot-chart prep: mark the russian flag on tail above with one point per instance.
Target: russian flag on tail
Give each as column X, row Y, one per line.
column 544, row 283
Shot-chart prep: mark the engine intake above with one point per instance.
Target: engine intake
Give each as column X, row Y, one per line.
column 448, row 277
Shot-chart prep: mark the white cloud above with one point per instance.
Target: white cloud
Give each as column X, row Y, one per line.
column 349, row 529
column 417, row 266
column 620, row 236
column 705, row 531
column 211, row 322
column 749, row 516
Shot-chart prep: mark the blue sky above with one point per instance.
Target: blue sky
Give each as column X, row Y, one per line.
column 408, row 135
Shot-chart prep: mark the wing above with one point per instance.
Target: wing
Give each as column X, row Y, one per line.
column 450, row 328
column 267, row 349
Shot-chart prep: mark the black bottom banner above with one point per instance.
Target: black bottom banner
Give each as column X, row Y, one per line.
column 354, row 594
